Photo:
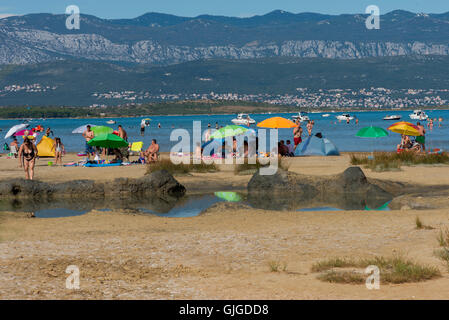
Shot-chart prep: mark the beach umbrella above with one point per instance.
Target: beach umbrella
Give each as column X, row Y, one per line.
column 405, row 128
column 228, row 196
column 108, row 140
column 228, row 131
column 98, row 130
column 83, row 128
column 16, row 128
column 276, row 123
column 25, row 132
column 372, row 132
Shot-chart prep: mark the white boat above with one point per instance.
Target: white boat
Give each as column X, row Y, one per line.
column 345, row 117
column 393, row 117
column 111, row 122
column 243, row 119
column 418, row 115
column 302, row 116
column 325, row 115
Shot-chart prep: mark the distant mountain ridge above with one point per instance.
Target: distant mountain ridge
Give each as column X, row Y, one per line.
column 156, row 38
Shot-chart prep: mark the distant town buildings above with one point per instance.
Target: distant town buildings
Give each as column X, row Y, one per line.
column 304, row 98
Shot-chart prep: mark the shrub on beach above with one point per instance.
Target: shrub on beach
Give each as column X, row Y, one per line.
column 383, row 161
column 250, row 168
column 396, row 269
column 168, row 165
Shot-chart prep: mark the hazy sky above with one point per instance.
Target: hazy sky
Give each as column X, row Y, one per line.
column 241, row 8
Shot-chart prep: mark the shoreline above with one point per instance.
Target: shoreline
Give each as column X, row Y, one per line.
column 313, row 111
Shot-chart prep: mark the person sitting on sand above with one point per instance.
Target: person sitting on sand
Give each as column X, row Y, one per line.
column 27, row 157
column 282, row 149
column 291, row 149
column 58, row 147
column 405, row 144
column 151, row 154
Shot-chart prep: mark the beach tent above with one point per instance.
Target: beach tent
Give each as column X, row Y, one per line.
column 317, row 145
column 45, row 147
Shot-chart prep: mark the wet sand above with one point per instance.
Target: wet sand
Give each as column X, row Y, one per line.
column 223, row 254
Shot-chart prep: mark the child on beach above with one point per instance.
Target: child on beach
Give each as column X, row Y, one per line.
column 59, row 149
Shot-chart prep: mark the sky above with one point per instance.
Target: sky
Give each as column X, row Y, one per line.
column 112, row 9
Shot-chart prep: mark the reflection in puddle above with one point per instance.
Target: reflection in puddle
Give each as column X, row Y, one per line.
column 188, row 206
column 320, row 209
column 58, row 213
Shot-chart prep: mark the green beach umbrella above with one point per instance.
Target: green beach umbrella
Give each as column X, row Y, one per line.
column 108, row 140
column 228, row 196
column 228, row 131
column 102, row 130
column 372, row 132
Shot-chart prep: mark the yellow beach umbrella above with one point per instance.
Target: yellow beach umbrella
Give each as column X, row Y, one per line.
column 276, row 123
column 405, row 128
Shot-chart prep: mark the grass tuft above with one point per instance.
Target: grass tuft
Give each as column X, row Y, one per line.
column 277, row 266
column 395, row 269
column 420, row 225
column 385, row 161
column 166, row 164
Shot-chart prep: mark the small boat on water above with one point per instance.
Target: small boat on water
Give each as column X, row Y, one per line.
column 243, row 119
column 345, row 117
column 111, row 122
column 392, row 117
column 325, row 115
column 301, row 116
column 419, row 115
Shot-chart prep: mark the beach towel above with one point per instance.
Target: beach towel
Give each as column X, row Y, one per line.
column 137, row 146
column 101, row 165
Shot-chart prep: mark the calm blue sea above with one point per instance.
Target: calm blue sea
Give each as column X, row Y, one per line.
column 341, row 134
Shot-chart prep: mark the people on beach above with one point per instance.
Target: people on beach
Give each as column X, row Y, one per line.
column 27, row 157
column 309, row 127
column 88, row 134
column 123, row 152
column 14, row 147
column 142, row 130
column 49, row 132
column 282, row 149
column 151, row 154
column 297, row 134
column 421, row 139
column 291, row 148
column 59, row 149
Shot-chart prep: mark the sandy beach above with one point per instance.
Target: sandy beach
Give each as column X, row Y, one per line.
column 224, row 253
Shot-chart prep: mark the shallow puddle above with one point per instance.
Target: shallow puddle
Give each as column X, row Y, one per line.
column 188, row 206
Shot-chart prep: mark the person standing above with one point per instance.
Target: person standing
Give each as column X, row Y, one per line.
column 142, row 129
column 27, row 158
column 59, row 149
column 88, row 134
column 124, row 150
column 297, row 134
column 421, row 139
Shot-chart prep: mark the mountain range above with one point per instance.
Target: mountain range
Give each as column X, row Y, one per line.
column 162, row 39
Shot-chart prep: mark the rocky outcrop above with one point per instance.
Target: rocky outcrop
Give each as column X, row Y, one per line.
column 159, row 183
column 288, row 190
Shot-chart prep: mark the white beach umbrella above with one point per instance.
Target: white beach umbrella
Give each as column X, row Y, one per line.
column 16, row 128
column 83, row 128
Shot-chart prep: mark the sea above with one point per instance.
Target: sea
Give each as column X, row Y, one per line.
column 343, row 135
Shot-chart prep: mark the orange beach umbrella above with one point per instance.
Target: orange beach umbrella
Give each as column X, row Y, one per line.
column 406, row 128
column 276, row 123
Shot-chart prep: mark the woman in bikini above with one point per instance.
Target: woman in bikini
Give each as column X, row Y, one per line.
column 59, row 149
column 27, row 158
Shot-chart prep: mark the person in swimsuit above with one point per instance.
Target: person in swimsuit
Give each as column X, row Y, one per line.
column 421, row 139
column 27, row 158
column 89, row 135
column 59, row 149
column 297, row 133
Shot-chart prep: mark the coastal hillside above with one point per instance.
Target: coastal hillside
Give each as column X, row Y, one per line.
column 77, row 82
column 155, row 38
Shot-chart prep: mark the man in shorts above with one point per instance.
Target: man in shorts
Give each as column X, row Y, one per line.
column 88, row 134
column 297, row 134
column 421, row 139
